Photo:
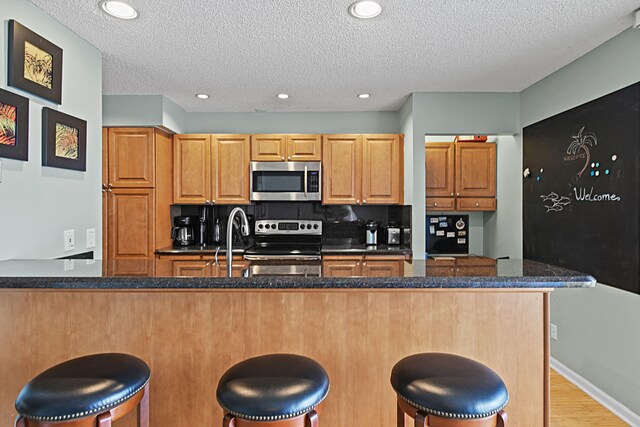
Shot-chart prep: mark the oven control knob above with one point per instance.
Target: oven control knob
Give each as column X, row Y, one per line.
column 260, row 226
column 315, row 226
column 302, row 226
column 273, row 226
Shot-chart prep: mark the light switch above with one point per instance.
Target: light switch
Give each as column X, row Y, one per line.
column 91, row 238
column 69, row 240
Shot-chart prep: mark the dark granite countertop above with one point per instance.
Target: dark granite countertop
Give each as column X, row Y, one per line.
column 89, row 274
column 329, row 247
column 201, row 250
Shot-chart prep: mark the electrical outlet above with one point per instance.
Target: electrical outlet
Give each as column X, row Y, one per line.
column 554, row 332
column 69, row 240
column 69, row 264
column 91, row 238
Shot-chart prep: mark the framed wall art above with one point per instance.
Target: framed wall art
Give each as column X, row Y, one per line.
column 64, row 140
column 35, row 64
column 14, row 126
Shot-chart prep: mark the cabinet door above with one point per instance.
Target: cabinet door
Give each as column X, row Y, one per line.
column 440, row 204
column 131, row 231
column 382, row 268
column 230, row 156
column 304, row 148
column 341, row 266
column 341, row 164
column 131, row 157
column 191, row 169
column 382, row 169
column 476, row 204
column 238, row 267
column 191, row 268
column 268, row 148
column 475, row 169
column 439, row 169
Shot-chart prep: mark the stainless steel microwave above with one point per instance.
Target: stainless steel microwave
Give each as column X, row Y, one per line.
column 286, row 181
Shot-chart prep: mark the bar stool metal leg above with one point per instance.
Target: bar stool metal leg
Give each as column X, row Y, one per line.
column 312, row 418
column 421, row 419
column 400, row 416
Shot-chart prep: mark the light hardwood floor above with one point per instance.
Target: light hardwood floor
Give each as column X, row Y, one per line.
column 571, row 407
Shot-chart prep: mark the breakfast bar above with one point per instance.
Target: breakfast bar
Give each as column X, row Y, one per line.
column 189, row 330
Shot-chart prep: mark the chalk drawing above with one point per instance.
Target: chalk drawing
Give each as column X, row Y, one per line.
column 558, row 203
column 579, row 148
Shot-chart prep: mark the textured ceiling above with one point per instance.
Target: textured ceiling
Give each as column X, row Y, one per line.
column 244, row 52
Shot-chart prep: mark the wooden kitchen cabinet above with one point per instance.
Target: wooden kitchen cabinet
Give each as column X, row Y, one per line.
column 278, row 148
column 198, row 266
column 364, row 266
column 362, row 169
column 231, row 155
column 382, row 169
column 211, row 169
column 439, row 169
column 131, row 154
column 341, row 174
column 130, row 221
column 475, row 169
column 460, row 176
column 461, row 266
column 192, row 169
column 193, row 268
column 304, row 148
column 341, row 266
column 136, row 188
column 268, row 148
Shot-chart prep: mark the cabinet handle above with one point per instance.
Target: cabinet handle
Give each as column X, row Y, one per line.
column 435, row 204
column 364, row 201
column 451, row 194
column 458, row 194
column 109, row 190
column 110, row 185
column 364, row 263
column 282, row 157
column 213, row 201
column 358, row 201
column 289, row 157
column 477, row 204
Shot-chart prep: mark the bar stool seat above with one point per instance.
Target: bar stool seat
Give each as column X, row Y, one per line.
column 449, row 386
column 273, row 387
column 82, row 387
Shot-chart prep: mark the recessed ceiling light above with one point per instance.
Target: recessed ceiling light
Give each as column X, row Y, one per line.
column 283, row 96
column 118, row 9
column 202, row 96
column 364, row 96
column 365, row 9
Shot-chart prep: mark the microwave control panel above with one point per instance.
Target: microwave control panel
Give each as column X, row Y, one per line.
column 313, row 181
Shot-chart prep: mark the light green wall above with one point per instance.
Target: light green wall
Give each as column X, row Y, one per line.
column 38, row 203
column 598, row 329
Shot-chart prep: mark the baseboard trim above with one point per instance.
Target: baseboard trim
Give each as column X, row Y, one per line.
column 620, row 410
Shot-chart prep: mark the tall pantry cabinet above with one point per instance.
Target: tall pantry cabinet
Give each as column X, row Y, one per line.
column 136, row 197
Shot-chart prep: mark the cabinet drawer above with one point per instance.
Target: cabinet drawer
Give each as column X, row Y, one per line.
column 475, row 204
column 440, row 203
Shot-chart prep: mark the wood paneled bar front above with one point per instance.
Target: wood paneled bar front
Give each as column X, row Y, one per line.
column 190, row 330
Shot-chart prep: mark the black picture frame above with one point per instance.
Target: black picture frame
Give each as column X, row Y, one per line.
column 50, row 121
column 19, row 151
column 19, row 36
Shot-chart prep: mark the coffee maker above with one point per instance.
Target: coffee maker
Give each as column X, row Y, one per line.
column 183, row 232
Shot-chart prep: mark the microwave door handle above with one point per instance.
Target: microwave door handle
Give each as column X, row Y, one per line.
column 305, row 181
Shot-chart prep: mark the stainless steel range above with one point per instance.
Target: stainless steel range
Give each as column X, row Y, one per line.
column 286, row 240
column 286, row 247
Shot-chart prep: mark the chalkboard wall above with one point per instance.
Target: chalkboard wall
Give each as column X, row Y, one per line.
column 581, row 187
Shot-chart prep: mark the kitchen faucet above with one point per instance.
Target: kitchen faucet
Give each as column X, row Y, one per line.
column 244, row 230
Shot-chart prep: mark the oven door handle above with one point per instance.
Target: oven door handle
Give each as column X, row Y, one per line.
column 305, row 182
column 283, row 258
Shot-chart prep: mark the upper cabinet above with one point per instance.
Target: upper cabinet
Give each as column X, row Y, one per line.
column 460, row 176
column 362, row 169
column 211, row 169
column 131, row 154
column 304, row 148
column 278, row 148
column 191, row 169
column 382, row 169
column 342, row 165
column 439, row 169
column 230, row 155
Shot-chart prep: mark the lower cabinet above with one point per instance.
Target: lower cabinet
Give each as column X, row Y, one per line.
column 363, row 266
column 461, row 266
column 197, row 266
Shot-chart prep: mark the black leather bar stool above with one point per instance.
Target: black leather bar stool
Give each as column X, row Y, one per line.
column 276, row 390
column 446, row 390
column 86, row 392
